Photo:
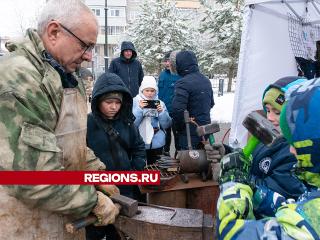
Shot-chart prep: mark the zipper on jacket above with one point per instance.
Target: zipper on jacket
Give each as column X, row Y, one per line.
column 129, row 77
column 45, row 90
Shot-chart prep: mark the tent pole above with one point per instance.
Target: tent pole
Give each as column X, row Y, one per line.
column 292, row 10
column 315, row 6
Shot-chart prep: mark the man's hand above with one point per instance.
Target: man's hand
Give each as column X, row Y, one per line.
column 105, row 210
column 235, row 167
column 159, row 108
column 108, row 190
column 143, row 104
column 214, row 156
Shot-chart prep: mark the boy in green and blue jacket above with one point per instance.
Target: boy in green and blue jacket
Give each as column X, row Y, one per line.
column 300, row 124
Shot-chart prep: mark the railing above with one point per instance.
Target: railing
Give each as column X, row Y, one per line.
column 215, row 83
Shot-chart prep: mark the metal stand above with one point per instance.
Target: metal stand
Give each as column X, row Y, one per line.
column 202, row 176
column 184, row 177
column 220, row 92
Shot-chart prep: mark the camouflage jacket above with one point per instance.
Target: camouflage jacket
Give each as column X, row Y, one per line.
column 31, row 94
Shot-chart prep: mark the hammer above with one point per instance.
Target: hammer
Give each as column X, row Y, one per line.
column 128, row 207
column 209, row 130
column 262, row 130
column 187, row 122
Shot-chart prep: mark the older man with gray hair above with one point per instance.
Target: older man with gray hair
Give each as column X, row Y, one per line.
column 43, row 120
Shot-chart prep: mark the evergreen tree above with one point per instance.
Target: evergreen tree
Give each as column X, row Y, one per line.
column 221, row 37
column 159, row 29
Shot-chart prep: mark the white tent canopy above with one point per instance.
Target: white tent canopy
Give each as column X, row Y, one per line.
column 248, row 2
column 265, row 55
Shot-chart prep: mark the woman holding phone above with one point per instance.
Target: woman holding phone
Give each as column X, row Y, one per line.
column 152, row 118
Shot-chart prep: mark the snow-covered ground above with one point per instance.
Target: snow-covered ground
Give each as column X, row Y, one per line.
column 222, row 110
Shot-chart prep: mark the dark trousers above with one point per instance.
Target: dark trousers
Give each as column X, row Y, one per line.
column 153, row 155
column 166, row 147
column 137, row 195
column 98, row 233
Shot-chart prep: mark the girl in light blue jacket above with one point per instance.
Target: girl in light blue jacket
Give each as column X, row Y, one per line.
column 151, row 122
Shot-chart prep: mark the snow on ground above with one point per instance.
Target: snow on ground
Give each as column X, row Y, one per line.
column 222, row 110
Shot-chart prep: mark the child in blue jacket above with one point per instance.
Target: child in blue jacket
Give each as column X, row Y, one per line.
column 272, row 167
column 288, row 220
column 151, row 127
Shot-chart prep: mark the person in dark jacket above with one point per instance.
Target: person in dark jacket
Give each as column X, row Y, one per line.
column 193, row 92
column 167, row 81
column 112, row 104
column 122, row 122
column 272, row 167
column 128, row 68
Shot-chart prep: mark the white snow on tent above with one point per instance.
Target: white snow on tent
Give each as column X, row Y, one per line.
column 265, row 55
column 248, row 2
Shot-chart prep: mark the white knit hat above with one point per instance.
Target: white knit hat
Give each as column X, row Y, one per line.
column 148, row 82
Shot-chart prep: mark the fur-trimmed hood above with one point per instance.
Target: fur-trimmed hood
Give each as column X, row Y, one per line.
column 183, row 62
column 173, row 62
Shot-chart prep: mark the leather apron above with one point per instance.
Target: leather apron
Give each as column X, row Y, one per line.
column 71, row 131
column 23, row 221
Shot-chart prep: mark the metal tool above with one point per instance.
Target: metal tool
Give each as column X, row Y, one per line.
column 187, row 122
column 167, row 179
column 208, row 130
column 161, row 207
column 262, row 130
column 194, row 122
column 127, row 206
column 154, row 224
column 192, row 161
column 166, row 162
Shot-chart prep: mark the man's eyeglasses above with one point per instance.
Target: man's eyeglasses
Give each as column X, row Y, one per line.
column 88, row 48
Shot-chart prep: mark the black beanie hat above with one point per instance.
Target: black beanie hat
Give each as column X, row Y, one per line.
column 166, row 57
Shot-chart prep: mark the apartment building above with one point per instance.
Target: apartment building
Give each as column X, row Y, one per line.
column 190, row 7
column 116, row 25
column 121, row 13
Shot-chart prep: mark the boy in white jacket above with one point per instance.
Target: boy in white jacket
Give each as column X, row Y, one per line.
column 151, row 128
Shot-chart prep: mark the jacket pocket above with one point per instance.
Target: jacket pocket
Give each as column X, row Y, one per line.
column 160, row 85
column 39, row 138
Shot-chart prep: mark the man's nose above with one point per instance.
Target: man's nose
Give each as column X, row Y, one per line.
column 87, row 56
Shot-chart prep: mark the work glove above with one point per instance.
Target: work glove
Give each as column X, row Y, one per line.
column 108, row 190
column 214, row 155
column 105, row 211
column 214, row 152
column 235, row 167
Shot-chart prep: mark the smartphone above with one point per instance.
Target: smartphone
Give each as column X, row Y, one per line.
column 152, row 103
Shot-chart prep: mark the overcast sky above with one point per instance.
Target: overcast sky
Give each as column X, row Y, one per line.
column 13, row 10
